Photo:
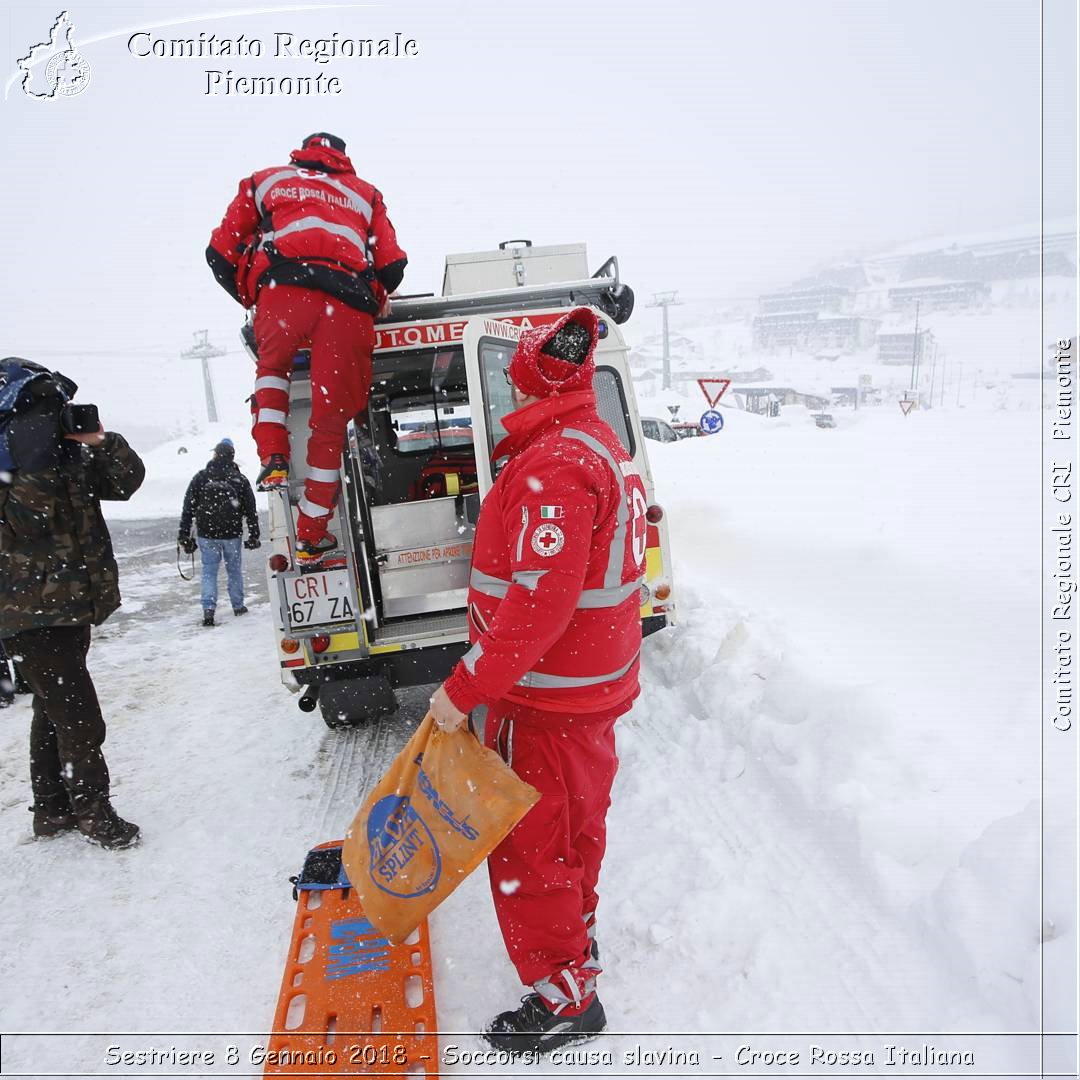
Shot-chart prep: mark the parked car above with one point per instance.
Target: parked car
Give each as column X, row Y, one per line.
column 824, row 420
column 652, row 427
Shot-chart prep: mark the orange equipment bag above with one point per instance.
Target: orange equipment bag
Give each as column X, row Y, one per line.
column 443, row 805
column 351, row 1002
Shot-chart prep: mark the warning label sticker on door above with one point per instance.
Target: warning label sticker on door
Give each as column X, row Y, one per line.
column 437, row 553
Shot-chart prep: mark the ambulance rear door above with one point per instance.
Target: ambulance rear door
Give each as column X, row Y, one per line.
column 489, row 344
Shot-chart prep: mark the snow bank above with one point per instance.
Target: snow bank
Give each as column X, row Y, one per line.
column 859, row 613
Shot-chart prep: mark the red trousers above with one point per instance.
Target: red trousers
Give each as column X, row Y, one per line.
column 287, row 319
column 544, row 874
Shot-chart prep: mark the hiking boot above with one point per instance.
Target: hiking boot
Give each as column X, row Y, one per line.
column 241, row 610
column 274, row 473
column 321, row 554
column 534, row 1028
column 51, row 820
column 103, row 826
column 208, row 617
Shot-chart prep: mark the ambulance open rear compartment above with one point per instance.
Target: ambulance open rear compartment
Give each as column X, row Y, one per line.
column 415, row 468
column 395, row 615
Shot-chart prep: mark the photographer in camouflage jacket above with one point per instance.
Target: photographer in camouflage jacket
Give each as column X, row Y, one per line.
column 58, row 578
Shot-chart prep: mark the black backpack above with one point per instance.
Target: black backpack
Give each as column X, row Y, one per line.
column 221, row 503
column 31, row 398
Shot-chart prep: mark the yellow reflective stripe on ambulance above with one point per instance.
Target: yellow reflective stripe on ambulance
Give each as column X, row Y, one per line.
column 654, row 568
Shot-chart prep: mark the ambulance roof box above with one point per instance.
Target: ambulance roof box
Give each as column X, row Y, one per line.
column 515, row 264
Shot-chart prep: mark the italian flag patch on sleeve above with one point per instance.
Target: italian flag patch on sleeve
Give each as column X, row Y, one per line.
column 550, row 513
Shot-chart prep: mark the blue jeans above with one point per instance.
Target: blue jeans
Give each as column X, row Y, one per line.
column 212, row 552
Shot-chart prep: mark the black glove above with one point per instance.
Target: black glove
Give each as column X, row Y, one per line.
column 188, row 543
column 252, row 542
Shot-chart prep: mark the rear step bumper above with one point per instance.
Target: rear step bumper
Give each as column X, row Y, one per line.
column 406, row 667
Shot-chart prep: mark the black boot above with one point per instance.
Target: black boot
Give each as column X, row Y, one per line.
column 241, row 610
column 274, row 474
column 534, row 1028
column 51, row 819
column 102, row 825
column 321, row 554
column 208, row 617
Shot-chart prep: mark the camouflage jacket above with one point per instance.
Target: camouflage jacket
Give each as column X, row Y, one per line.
column 56, row 558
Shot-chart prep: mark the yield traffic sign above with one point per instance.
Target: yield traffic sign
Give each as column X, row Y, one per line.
column 708, row 388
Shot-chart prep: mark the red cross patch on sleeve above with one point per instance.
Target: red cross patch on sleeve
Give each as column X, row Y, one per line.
column 548, row 540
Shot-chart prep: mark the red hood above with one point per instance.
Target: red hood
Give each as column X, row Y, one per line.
column 556, row 411
column 539, row 375
column 326, row 156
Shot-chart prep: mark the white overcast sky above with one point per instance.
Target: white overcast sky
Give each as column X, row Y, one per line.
column 716, row 148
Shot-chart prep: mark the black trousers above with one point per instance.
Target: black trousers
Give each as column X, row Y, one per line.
column 67, row 766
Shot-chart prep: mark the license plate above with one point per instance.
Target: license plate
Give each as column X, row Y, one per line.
column 316, row 599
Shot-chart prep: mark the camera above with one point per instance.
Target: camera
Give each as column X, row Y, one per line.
column 79, row 419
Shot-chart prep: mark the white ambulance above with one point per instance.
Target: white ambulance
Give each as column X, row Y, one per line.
column 417, row 464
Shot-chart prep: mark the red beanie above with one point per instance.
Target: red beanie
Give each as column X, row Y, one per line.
column 556, row 358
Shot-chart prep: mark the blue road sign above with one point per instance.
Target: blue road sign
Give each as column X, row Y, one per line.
column 711, row 422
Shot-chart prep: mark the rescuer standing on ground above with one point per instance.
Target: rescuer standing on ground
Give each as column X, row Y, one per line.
column 310, row 246
column 554, row 613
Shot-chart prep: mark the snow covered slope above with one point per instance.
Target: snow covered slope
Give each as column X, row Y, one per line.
column 170, row 467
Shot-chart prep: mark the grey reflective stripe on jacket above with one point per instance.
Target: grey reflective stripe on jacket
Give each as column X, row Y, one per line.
column 617, row 551
column 539, row 680
column 613, row 597
column 470, row 658
column 529, row 578
column 356, row 202
column 313, row 222
column 488, row 585
column 589, row 598
column 260, row 192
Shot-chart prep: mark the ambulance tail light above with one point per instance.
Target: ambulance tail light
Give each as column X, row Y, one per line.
column 320, row 643
column 661, row 591
column 279, row 563
column 290, row 645
column 654, row 514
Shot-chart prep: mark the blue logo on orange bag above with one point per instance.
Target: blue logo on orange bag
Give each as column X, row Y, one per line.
column 405, row 860
column 357, row 948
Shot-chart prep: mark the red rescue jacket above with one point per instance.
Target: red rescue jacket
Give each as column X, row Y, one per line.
column 312, row 223
column 557, row 568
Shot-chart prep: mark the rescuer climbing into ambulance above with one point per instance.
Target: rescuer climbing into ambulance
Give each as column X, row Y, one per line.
column 554, row 616
column 309, row 245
